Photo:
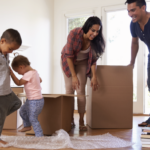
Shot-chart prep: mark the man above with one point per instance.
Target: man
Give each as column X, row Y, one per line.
column 140, row 28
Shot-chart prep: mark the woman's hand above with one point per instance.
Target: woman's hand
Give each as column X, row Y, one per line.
column 75, row 82
column 94, row 83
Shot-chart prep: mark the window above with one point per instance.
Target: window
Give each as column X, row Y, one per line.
column 76, row 22
column 119, row 42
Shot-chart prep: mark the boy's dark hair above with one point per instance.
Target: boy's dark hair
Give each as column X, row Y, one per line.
column 139, row 3
column 20, row 60
column 12, row 35
column 98, row 43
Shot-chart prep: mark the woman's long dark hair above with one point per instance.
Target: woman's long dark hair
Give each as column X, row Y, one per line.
column 98, row 43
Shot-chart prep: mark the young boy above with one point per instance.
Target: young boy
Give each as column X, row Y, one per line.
column 9, row 102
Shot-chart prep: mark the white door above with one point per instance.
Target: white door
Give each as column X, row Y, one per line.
column 116, row 24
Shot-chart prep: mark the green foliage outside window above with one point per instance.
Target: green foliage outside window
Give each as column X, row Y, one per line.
column 76, row 22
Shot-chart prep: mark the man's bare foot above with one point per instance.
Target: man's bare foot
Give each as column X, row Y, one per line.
column 25, row 129
column 143, row 124
column 3, row 142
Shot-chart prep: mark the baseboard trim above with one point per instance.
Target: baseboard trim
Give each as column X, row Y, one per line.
column 141, row 115
column 76, row 111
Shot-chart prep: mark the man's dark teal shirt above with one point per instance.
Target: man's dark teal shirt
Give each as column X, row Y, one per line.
column 143, row 35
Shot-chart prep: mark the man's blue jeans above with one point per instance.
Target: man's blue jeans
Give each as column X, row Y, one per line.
column 148, row 82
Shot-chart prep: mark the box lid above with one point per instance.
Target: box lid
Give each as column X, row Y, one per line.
column 51, row 95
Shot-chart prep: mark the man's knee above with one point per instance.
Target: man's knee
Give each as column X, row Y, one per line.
column 148, row 84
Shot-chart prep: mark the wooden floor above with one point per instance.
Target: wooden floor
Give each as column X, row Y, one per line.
column 132, row 135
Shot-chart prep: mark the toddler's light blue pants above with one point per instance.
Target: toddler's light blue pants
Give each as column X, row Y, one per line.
column 29, row 113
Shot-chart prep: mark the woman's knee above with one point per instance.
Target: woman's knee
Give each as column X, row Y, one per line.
column 69, row 91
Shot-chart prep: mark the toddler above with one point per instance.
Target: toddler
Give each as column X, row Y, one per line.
column 33, row 106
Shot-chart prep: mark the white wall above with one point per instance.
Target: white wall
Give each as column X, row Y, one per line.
column 34, row 20
column 62, row 7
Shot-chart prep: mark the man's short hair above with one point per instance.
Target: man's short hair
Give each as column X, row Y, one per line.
column 139, row 3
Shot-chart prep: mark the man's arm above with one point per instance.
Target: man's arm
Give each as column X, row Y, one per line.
column 134, row 50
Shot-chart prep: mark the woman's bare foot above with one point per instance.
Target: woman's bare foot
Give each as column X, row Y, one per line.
column 82, row 127
column 25, row 129
column 3, row 142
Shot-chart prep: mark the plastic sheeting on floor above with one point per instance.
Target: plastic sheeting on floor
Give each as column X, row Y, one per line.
column 62, row 140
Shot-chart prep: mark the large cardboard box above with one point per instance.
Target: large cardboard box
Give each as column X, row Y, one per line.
column 111, row 106
column 14, row 121
column 56, row 113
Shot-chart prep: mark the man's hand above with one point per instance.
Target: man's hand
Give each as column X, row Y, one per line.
column 131, row 64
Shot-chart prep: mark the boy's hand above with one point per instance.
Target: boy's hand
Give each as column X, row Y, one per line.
column 10, row 70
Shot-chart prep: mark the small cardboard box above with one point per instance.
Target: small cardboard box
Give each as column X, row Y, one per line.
column 14, row 121
column 111, row 106
column 56, row 113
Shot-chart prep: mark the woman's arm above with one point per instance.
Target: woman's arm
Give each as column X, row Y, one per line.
column 16, row 80
column 94, row 82
column 75, row 81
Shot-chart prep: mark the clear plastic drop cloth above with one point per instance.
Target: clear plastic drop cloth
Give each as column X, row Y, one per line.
column 61, row 139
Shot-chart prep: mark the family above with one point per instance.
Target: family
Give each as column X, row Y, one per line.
column 78, row 61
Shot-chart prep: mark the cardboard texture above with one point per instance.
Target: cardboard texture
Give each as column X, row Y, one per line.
column 111, row 106
column 14, row 121
column 56, row 113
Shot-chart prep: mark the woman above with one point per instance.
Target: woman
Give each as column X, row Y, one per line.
column 84, row 46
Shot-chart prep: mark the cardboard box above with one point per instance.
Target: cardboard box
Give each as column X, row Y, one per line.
column 56, row 113
column 14, row 121
column 111, row 106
